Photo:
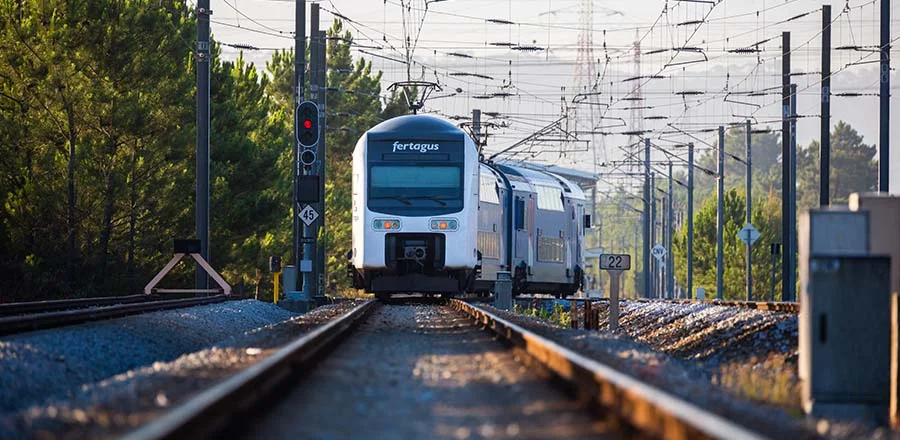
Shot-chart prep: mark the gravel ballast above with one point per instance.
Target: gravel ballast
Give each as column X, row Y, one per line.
column 738, row 362
column 178, row 354
column 425, row 371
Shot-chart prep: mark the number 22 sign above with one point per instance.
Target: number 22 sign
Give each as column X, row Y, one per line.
column 615, row 262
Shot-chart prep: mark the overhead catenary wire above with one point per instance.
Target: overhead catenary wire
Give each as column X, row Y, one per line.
column 722, row 97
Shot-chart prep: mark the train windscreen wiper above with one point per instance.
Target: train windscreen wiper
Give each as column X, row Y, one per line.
column 404, row 200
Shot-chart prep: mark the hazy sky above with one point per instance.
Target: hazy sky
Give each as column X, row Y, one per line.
column 536, row 60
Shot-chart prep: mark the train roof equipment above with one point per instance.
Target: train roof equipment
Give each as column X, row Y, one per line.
column 409, row 127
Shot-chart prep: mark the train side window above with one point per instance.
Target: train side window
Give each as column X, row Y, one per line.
column 488, row 190
column 549, row 198
column 520, row 214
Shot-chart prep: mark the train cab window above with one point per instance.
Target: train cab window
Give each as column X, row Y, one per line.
column 415, row 188
column 549, row 198
column 435, row 178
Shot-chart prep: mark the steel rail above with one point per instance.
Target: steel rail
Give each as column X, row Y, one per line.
column 211, row 411
column 786, row 307
column 26, row 323
column 647, row 409
column 19, row 308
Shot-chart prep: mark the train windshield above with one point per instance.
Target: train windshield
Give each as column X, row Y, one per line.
column 415, row 188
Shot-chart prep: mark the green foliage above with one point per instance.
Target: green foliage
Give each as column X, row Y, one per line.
column 854, row 168
column 766, row 219
column 97, row 131
column 93, row 142
column 558, row 315
column 618, row 225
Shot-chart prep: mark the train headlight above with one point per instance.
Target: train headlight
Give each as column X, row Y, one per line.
column 382, row 224
column 444, row 224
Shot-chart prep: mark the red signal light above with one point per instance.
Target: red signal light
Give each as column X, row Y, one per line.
column 307, row 124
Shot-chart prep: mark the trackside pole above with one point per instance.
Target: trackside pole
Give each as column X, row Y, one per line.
column 790, row 247
column 884, row 99
column 690, row 223
column 201, row 280
column 670, row 229
column 825, row 122
column 786, row 214
column 297, row 279
column 720, row 216
column 749, row 213
column 614, row 279
column 646, row 265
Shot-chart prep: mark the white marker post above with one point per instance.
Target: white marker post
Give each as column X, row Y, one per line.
column 614, row 264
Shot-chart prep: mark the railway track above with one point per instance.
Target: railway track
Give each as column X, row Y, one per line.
column 380, row 372
column 27, row 317
column 21, row 308
column 774, row 306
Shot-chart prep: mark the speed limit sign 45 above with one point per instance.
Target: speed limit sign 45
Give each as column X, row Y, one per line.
column 615, row 262
column 308, row 215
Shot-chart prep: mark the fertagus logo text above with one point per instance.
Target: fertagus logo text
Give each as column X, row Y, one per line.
column 421, row 148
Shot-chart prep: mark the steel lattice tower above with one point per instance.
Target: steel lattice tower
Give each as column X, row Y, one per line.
column 585, row 70
column 636, row 124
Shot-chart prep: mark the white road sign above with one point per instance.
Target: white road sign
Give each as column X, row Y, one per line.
column 658, row 252
column 308, row 215
column 615, row 262
column 749, row 234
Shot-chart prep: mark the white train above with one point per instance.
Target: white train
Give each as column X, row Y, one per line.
column 429, row 218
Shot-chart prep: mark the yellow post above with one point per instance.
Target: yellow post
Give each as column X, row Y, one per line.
column 275, row 294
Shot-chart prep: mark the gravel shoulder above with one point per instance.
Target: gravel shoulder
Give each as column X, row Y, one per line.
column 681, row 377
column 247, row 332
column 425, row 371
column 59, row 362
column 739, row 363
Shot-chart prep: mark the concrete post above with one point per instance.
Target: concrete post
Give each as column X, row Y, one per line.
column 790, row 248
column 749, row 211
column 825, row 121
column 690, row 223
column 787, row 226
column 647, row 194
column 720, row 215
column 670, row 231
column 653, row 263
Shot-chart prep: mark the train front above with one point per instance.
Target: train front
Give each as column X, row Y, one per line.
column 415, row 199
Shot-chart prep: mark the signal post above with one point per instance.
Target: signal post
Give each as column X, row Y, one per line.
column 307, row 201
